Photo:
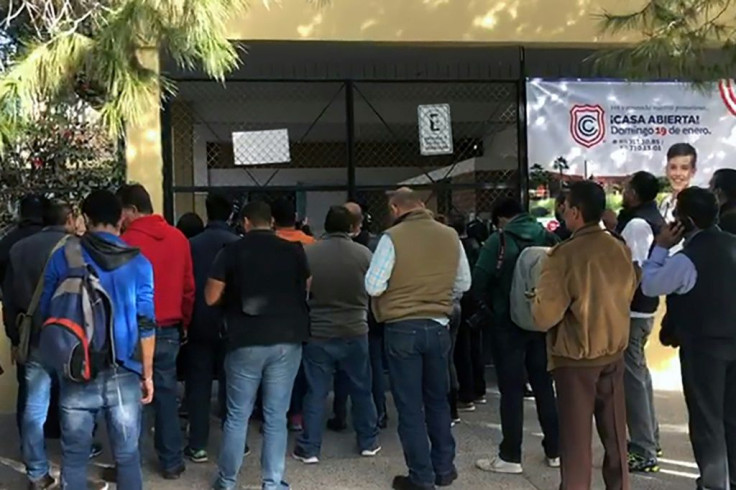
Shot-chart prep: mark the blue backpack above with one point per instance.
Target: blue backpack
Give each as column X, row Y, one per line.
column 76, row 338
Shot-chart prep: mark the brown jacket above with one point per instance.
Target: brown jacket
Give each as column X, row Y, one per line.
column 583, row 298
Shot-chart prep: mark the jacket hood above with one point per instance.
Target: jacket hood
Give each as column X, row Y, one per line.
column 526, row 227
column 154, row 226
column 106, row 253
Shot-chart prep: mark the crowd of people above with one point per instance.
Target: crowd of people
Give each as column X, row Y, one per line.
column 280, row 319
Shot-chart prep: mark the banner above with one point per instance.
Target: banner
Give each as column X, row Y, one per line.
column 610, row 129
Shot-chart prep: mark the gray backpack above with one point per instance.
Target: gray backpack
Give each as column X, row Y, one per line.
column 527, row 270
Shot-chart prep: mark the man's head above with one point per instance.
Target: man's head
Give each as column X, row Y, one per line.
column 284, row 213
column 723, row 185
column 136, row 203
column 190, row 224
column 585, row 205
column 256, row 215
column 219, row 208
column 102, row 211
column 505, row 210
column 31, row 208
column 357, row 213
column 403, row 201
column 339, row 220
column 59, row 213
column 697, row 209
column 682, row 161
column 641, row 188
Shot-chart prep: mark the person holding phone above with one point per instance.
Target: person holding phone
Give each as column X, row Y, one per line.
column 701, row 319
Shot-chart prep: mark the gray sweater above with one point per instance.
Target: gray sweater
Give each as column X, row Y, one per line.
column 338, row 300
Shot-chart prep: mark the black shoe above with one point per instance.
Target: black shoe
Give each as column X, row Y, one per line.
column 446, row 480
column 528, row 392
column 95, row 451
column 109, row 474
column 337, row 425
column 404, row 483
column 175, row 473
column 383, row 421
column 42, row 484
column 247, row 450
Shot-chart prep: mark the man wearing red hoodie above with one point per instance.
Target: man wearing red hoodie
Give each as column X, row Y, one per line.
column 168, row 251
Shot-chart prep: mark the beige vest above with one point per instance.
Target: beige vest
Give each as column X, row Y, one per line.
column 427, row 257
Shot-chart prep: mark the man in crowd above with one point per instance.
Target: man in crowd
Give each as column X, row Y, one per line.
column 206, row 352
column 582, row 299
column 168, row 251
column 339, row 336
column 701, row 319
column 30, row 221
column 516, row 352
column 23, row 277
column 638, row 223
column 284, row 218
column 682, row 162
column 261, row 282
column 723, row 185
column 416, row 271
column 561, row 231
column 127, row 277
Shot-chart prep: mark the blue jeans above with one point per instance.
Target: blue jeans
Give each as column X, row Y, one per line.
column 117, row 393
column 342, row 385
column 417, row 353
column 38, row 382
column 167, row 436
column 322, row 358
column 274, row 366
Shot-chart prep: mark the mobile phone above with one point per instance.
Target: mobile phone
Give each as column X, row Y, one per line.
column 686, row 222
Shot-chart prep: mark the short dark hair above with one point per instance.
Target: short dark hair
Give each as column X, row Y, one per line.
column 190, row 224
column 102, row 208
column 31, row 207
column 56, row 213
column 257, row 212
column 339, row 220
column 284, row 213
column 507, row 207
column 645, row 185
column 589, row 198
column 724, row 180
column 219, row 207
column 135, row 195
column 683, row 150
column 698, row 204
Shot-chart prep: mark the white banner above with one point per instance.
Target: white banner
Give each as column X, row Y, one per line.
column 611, row 129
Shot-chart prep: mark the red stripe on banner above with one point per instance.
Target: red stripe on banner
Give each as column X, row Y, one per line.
column 725, row 87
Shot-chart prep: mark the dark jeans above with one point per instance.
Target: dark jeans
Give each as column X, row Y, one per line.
column 378, row 380
column 516, row 350
column 296, row 405
column 205, row 360
column 167, row 437
column 709, row 383
column 453, row 395
column 469, row 363
column 417, row 352
column 321, row 359
column 116, row 393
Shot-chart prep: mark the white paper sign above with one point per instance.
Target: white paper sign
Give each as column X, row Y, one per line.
column 435, row 129
column 261, row 147
column 615, row 128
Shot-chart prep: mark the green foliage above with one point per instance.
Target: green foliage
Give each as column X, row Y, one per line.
column 683, row 39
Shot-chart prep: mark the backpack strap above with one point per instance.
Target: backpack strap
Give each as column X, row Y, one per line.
column 501, row 250
column 73, row 253
column 36, row 299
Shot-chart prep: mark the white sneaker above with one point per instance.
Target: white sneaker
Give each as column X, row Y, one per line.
column 497, row 465
column 369, row 453
column 305, row 459
column 553, row 462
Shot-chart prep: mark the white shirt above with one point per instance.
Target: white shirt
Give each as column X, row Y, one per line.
column 639, row 237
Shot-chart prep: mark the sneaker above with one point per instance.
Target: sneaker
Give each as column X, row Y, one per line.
column 528, row 392
column 482, row 400
column 497, row 465
column 369, row 453
column 247, row 451
column 336, row 425
column 446, row 480
column 404, row 483
column 42, row 484
column 175, row 473
column 383, row 421
column 196, row 455
column 95, row 451
column 660, row 453
column 637, row 464
column 466, row 407
column 296, row 423
column 455, row 421
column 98, row 485
column 300, row 455
column 553, row 462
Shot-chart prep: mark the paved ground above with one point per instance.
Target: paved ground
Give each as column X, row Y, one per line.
column 477, row 437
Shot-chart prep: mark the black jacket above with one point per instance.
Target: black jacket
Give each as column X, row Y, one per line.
column 727, row 217
column 23, row 230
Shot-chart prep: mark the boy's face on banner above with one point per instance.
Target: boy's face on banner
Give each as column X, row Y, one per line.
column 680, row 172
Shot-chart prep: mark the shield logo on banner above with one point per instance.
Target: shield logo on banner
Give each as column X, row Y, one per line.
column 587, row 125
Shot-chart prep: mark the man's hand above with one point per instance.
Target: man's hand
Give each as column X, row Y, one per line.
column 147, row 390
column 670, row 235
column 610, row 220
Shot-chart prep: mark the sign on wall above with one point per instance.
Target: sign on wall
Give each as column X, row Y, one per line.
column 435, row 129
column 614, row 128
column 261, row 147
